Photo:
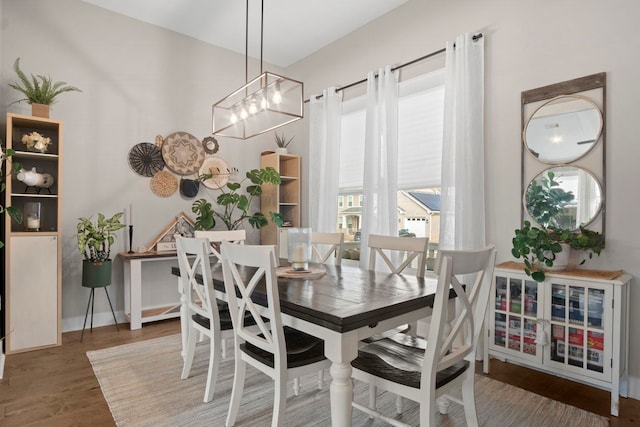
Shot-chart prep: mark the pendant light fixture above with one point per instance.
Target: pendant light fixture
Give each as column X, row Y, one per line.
column 262, row 104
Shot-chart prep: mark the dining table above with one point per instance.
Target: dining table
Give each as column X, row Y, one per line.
column 342, row 307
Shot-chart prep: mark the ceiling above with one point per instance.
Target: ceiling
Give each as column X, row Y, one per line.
column 293, row 29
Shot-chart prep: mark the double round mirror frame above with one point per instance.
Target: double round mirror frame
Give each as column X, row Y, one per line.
column 561, row 131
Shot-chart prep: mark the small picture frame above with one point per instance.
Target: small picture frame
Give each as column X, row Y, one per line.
column 182, row 225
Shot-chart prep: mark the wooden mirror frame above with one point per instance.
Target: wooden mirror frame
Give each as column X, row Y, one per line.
column 592, row 87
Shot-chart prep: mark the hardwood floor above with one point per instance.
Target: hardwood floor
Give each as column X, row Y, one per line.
column 56, row 386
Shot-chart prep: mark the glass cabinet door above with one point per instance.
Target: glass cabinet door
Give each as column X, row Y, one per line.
column 577, row 335
column 515, row 314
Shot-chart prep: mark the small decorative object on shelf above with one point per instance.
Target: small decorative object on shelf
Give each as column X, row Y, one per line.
column 282, row 143
column 34, row 179
column 39, row 91
column 32, row 215
column 36, row 142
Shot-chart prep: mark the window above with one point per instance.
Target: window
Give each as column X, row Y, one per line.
column 340, row 201
column 420, row 127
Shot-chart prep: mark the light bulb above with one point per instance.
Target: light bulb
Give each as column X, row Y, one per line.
column 277, row 97
column 243, row 112
column 253, row 108
column 263, row 101
column 234, row 118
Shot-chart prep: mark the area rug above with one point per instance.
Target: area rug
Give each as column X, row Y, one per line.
column 141, row 383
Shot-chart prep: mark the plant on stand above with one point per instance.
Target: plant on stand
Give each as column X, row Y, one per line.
column 94, row 244
column 233, row 208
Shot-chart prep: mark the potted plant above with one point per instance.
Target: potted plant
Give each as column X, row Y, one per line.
column 94, row 243
column 39, row 91
column 541, row 248
column 14, row 213
column 233, row 208
column 282, row 142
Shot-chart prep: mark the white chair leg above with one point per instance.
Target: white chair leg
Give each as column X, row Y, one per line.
column 279, row 401
column 443, row 405
column 214, row 363
column 236, row 391
column 296, row 386
column 372, row 399
column 320, row 379
column 399, row 403
column 428, row 413
column 188, row 358
column 469, row 400
column 223, row 344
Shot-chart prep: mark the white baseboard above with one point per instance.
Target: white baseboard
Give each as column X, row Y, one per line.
column 634, row 388
column 2, row 356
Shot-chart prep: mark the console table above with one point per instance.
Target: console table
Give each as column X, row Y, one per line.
column 133, row 310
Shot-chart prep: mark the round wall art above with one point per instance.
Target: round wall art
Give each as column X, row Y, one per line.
column 210, row 145
column 183, row 153
column 164, row 184
column 146, row 159
column 219, row 170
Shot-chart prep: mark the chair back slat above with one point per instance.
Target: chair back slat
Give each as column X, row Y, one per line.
column 218, row 236
column 326, row 244
column 193, row 259
column 411, row 247
column 449, row 343
column 261, row 261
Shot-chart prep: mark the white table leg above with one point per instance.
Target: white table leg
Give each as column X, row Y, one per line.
column 127, row 288
column 341, row 350
column 135, row 291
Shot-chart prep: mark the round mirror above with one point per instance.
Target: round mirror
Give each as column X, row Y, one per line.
column 563, row 129
column 564, row 197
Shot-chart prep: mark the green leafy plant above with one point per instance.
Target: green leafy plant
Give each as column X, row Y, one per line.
column 538, row 247
column 14, row 213
column 281, row 140
column 546, row 200
column 38, row 89
column 233, row 207
column 95, row 239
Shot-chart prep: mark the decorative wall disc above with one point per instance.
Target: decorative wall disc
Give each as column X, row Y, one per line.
column 183, row 153
column 164, row 184
column 210, row 145
column 146, row 159
column 219, row 169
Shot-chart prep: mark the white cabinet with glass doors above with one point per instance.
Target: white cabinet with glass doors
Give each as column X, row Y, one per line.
column 574, row 324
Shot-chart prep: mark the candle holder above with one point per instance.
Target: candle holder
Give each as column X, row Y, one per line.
column 32, row 216
column 299, row 248
column 131, row 239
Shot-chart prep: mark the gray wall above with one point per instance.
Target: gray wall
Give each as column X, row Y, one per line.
column 140, row 81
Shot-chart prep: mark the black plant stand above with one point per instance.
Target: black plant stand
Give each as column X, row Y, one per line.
column 90, row 303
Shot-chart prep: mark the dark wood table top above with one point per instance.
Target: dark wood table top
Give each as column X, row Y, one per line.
column 346, row 298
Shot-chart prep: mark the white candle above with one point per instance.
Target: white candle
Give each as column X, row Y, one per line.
column 298, row 254
column 130, row 214
column 33, row 223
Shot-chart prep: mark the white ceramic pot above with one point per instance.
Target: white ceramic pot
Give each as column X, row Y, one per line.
column 562, row 258
column 281, row 150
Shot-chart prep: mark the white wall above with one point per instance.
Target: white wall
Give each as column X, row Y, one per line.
column 527, row 45
column 140, row 81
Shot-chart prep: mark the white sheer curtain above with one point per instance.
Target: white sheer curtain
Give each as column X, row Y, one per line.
column 462, row 214
column 324, row 154
column 380, row 186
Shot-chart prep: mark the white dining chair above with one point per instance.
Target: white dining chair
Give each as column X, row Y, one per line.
column 204, row 315
column 398, row 252
column 325, row 245
column 425, row 370
column 280, row 352
column 215, row 237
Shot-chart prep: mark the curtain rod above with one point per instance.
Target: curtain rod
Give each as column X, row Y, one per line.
column 475, row 37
